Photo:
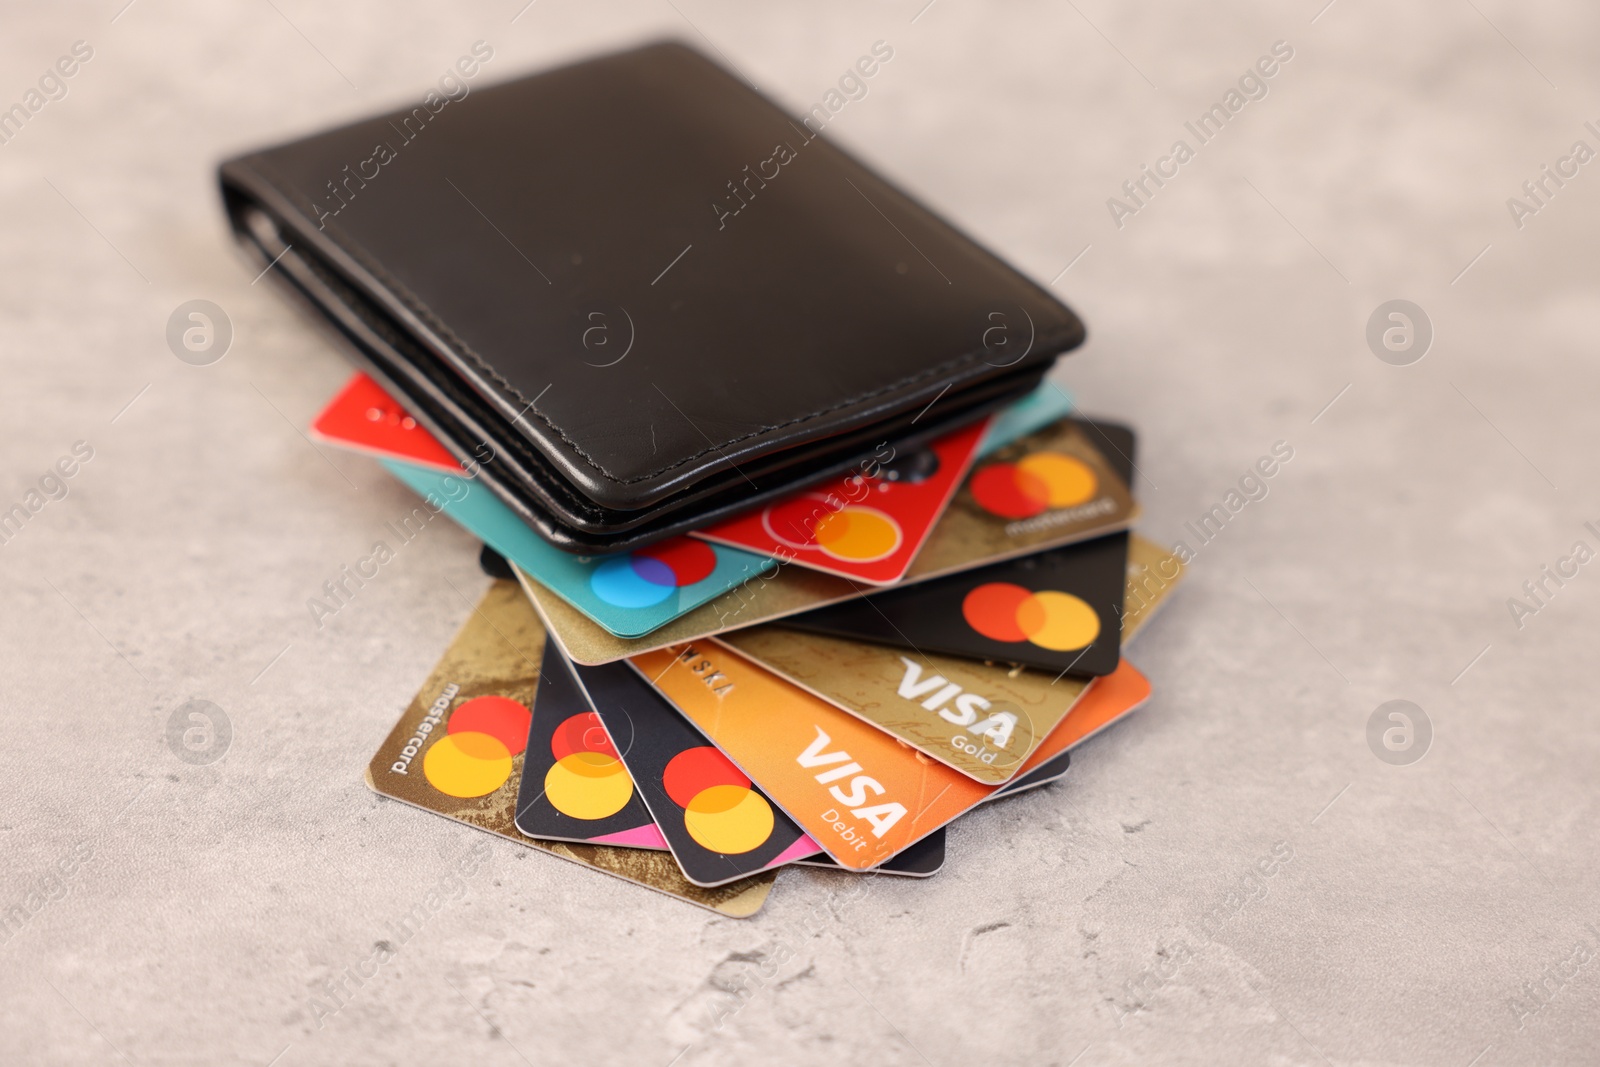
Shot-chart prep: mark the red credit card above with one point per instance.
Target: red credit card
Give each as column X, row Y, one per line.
column 868, row 526
column 366, row 418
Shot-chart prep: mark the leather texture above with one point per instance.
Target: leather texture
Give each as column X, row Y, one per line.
column 638, row 294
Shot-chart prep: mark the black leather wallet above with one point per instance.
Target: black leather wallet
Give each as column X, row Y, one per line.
column 636, row 294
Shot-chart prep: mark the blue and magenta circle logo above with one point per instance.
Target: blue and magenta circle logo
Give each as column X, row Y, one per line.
column 648, row 576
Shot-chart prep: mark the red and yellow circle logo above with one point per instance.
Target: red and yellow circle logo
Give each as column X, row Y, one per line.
column 473, row 759
column 587, row 780
column 1033, row 484
column 854, row 533
column 1005, row 612
column 721, row 812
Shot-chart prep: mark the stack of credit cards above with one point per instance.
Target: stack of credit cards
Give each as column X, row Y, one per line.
column 827, row 681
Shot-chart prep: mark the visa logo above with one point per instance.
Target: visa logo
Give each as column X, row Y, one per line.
column 937, row 692
column 882, row 817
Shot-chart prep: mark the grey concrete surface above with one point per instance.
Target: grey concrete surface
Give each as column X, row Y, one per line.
column 1437, row 913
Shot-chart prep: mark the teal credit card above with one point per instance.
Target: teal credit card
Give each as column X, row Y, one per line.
column 629, row 593
column 1047, row 404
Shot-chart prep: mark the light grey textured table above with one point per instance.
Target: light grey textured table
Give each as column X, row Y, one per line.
column 1428, row 914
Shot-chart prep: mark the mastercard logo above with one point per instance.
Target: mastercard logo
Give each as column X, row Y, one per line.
column 1034, row 484
column 721, row 812
column 1005, row 612
column 587, row 780
column 473, row 758
column 854, row 533
column 648, row 576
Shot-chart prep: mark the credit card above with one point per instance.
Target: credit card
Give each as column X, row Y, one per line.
column 967, row 536
column 1051, row 770
column 363, row 417
column 720, row 828
column 574, row 784
column 981, row 719
column 1058, row 610
column 457, row 754
column 1046, row 404
column 1050, row 488
column 868, row 526
column 628, row 595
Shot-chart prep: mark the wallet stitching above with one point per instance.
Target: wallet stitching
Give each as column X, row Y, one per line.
column 420, row 308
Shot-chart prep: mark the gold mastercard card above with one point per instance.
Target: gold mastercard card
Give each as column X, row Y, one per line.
column 1050, row 488
column 459, row 749
column 980, row 718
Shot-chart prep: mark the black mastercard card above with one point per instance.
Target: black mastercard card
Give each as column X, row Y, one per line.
column 922, row 860
column 1058, row 610
column 1051, row 770
column 719, row 826
column 574, row 785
